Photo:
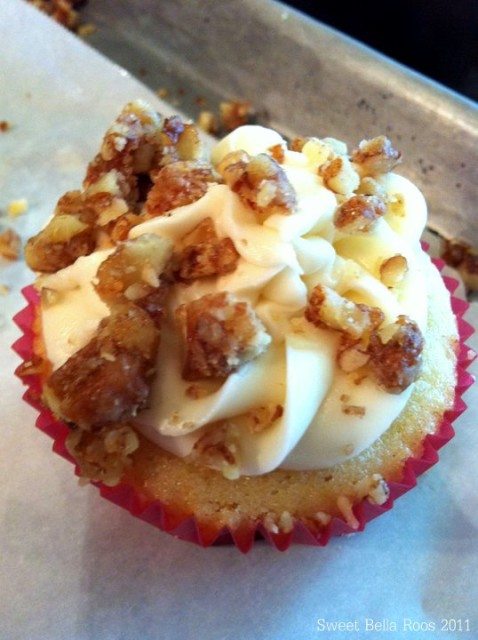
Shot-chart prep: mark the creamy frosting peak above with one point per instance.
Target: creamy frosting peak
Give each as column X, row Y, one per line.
column 280, row 262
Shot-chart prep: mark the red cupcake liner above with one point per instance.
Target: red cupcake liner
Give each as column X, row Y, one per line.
column 187, row 527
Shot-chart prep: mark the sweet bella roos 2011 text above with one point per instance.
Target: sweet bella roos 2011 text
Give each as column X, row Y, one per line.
column 387, row 625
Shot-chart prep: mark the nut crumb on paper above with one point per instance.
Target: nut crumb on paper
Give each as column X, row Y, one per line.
column 16, row 208
column 10, row 244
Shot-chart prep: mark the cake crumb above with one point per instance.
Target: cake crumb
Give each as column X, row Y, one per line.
column 4, row 290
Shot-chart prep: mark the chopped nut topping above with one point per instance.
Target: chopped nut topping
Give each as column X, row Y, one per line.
column 103, row 455
column 92, row 391
column 297, row 144
column 354, row 410
column 393, row 270
column 217, row 448
column 260, row 182
column 130, row 146
column 359, row 214
column 370, row 187
column 396, row 363
column 59, row 10
column 376, row 156
column 352, row 358
column 132, row 273
column 139, row 143
column 277, row 152
column 205, row 254
column 326, row 308
column 10, row 244
column 206, row 388
column 109, row 379
column 263, row 417
column 59, row 244
column 339, row 175
column 236, row 113
column 220, row 335
column 178, row 184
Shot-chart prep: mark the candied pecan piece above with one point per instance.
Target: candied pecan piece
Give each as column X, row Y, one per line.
column 92, row 208
column 220, row 334
column 59, row 244
column 103, row 455
column 218, row 448
column 178, row 184
column 236, row 113
column 326, row 308
column 339, row 175
column 130, row 146
column 376, row 156
column 137, row 272
column 109, row 379
column 396, row 363
column 59, row 10
column 10, row 244
column 260, row 182
column 297, row 144
column 263, row 417
column 205, row 254
column 359, row 214
column 393, row 270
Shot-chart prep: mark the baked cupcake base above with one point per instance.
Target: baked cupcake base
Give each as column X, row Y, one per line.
column 186, row 522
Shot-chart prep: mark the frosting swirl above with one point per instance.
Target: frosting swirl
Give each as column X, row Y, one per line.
column 325, row 416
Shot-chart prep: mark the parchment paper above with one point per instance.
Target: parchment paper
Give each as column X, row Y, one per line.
column 72, row 565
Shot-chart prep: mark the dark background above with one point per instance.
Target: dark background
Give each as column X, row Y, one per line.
column 436, row 37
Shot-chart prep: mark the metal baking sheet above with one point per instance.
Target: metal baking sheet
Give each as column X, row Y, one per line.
column 308, row 79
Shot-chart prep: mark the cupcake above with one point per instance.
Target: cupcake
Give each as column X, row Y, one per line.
column 242, row 343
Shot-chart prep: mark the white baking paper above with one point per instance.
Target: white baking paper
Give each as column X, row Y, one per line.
column 74, row 566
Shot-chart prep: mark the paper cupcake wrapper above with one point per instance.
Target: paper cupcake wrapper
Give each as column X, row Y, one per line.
column 187, row 528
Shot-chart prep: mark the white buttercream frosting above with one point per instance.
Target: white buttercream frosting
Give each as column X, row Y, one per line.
column 281, row 260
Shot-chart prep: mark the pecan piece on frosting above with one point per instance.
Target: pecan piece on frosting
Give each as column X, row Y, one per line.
column 139, row 142
column 396, row 362
column 177, row 184
column 220, row 334
column 204, row 254
column 137, row 272
column 59, row 244
column 109, row 379
column 260, row 182
column 339, row 175
column 326, row 308
column 359, row 214
column 376, row 156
